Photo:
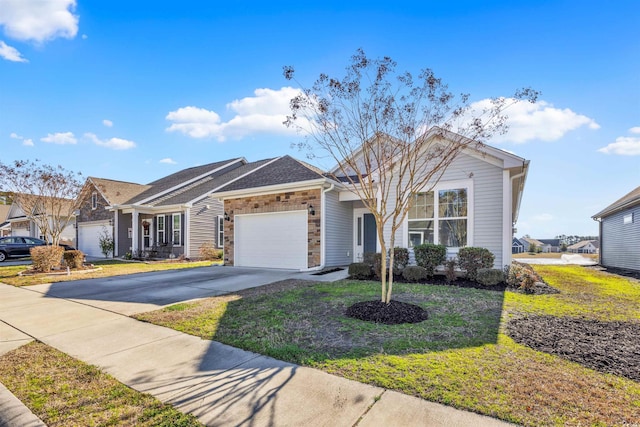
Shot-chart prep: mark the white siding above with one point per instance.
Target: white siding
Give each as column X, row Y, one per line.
column 339, row 230
column 203, row 224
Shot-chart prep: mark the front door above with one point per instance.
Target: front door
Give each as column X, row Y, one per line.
column 365, row 239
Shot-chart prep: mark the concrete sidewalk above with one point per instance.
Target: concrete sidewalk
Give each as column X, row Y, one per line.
column 219, row 384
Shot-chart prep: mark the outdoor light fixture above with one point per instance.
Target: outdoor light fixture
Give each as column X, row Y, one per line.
column 227, row 217
column 312, row 211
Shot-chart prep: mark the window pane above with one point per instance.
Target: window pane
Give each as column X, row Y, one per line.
column 420, row 232
column 453, row 233
column 452, row 203
column 421, row 206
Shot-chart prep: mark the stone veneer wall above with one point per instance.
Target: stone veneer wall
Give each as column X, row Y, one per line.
column 277, row 202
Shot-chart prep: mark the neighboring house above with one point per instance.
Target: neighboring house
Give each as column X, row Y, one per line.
column 517, row 247
column 288, row 214
column 169, row 217
column 94, row 217
column 553, row 245
column 528, row 242
column 20, row 225
column 5, row 226
column 620, row 232
column 584, row 247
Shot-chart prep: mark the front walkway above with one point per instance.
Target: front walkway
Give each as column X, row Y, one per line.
column 219, row 384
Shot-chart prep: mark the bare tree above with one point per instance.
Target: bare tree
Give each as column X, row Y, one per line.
column 46, row 194
column 391, row 135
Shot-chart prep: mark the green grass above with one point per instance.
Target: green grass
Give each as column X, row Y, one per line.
column 460, row 356
column 111, row 267
column 63, row 391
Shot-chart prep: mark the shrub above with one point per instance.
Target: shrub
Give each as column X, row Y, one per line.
column 450, row 270
column 400, row 259
column 414, row 273
column 377, row 265
column 369, row 258
column 106, row 242
column 209, row 252
column 521, row 276
column 360, row 271
column 472, row 259
column 73, row 259
column 44, row 258
column 430, row 256
column 490, row 276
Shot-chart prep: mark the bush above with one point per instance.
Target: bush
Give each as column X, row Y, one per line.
column 360, row 271
column 400, row 259
column 106, row 242
column 73, row 259
column 490, row 276
column 369, row 258
column 521, row 276
column 377, row 265
column 209, row 252
column 430, row 256
column 415, row 273
column 450, row 270
column 45, row 258
column 472, row 259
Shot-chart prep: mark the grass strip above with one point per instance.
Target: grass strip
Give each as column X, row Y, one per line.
column 63, row 391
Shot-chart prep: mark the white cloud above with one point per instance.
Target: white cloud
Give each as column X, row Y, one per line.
column 537, row 121
column 263, row 113
column 113, row 143
column 10, row 53
column 168, row 161
column 39, row 20
column 624, row 145
column 60, row 138
column 25, row 141
column 107, row 123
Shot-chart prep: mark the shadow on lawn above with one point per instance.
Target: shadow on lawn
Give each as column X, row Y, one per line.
column 309, row 323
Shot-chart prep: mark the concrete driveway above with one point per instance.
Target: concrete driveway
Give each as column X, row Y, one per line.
column 137, row 293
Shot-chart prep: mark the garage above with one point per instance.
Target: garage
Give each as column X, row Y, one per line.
column 89, row 237
column 272, row 240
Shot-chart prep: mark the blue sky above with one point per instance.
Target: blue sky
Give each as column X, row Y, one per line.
column 137, row 90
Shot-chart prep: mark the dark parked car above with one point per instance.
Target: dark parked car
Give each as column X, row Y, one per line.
column 16, row 246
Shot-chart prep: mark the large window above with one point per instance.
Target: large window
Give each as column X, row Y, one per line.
column 161, row 230
column 439, row 216
column 176, row 229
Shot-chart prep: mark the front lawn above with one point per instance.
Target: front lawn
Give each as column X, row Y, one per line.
column 110, row 267
column 461, row 355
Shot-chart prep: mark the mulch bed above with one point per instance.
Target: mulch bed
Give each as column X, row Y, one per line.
column 611, row 347
column 394, row 313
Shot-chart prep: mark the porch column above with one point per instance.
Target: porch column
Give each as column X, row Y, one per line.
column 134, row 232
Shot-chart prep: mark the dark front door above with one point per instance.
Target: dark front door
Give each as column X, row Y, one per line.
column 369, row 232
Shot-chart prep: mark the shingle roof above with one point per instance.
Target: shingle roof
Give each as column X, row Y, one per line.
column 630, row 199
column 282, row 170
column 158, row 186
column 117, row 192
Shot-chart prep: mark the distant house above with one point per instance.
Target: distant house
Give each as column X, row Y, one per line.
column 517, row 247
column 5, row 226
column 620, row 232
column 21, row 225
column 553, row 245
column 584, row 247
column 528, row 242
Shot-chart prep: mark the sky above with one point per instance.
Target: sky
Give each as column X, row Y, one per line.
column 137, row 90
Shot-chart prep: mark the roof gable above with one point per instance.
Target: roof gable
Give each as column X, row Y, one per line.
column 116, row 192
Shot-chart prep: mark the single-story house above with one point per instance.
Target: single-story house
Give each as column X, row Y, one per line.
column 169, row 217
column 584, row 247
column 20, row 225
column 528, row 242
column 553, row 245
column 517, row 247
column 288, row 214
column 620, row 232
column 5, row 226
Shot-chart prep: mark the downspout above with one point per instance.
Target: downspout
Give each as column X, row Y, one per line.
column 507, row 253
column 323, row 228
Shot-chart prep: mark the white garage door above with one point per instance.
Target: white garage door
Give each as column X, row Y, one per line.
column 89, row 238
column 273, row 240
